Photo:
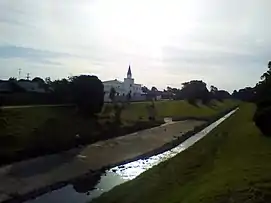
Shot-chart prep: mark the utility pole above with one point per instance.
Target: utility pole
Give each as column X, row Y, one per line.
column 20, row 71
column 28, row 76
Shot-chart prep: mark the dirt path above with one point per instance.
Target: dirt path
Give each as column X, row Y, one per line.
column 26, row 176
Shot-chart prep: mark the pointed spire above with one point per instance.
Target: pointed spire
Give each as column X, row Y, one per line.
column 129, row 73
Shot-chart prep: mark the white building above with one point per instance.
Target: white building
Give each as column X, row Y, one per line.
column 123, row 88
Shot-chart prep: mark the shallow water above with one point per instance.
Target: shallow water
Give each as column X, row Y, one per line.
column 91, row 187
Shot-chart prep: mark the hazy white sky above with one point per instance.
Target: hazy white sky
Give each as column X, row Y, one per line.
column 226, row 43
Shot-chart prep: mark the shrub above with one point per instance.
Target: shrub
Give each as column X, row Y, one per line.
column 88, row 94
column 262, row 119
column 3, row 122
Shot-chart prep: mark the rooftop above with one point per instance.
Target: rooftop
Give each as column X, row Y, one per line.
column 112, row 81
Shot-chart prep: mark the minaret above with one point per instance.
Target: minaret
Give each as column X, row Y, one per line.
column 129, row 73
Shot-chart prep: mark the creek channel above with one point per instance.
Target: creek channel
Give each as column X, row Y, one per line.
column 89, row 187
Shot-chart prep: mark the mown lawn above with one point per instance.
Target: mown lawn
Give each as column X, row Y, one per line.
column 176, row 109
column 231, row 164
column 40, row 130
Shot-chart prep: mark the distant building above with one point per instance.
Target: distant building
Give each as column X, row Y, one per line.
column 124, row 88
column 154, row 95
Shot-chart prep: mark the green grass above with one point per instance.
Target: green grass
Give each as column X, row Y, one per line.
column 176, row 108
column 40, row 130
column 26, row 128
column 231, row 164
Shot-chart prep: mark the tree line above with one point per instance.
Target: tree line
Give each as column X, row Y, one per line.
column 196, row 90
column 262, row 99
column 86, row 91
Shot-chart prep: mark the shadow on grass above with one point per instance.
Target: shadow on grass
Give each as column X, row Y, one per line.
column 193, row 102
column 212, row 105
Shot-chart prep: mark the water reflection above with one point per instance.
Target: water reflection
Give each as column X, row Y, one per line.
column 81, row 190
column 90, row 187
column 133, row 169
column 86, row 183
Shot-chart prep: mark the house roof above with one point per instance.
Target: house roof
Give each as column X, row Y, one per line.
column 116, row 81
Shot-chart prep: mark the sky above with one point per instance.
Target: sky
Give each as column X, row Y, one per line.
column 226, row 43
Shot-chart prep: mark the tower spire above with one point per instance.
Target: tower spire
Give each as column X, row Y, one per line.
column 129, row 73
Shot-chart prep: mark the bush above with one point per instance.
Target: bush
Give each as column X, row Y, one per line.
column 192, row 101
column 265, row 103
column 3, row 122
column 262, row 119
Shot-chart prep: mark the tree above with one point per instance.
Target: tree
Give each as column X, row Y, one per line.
column 39, row 81
column 145, row 89
column 262, row 117
column 173, row 93
column 153, row 93
column 118, row 108
column 3, row 123
column 154, row 89
column 222, row 94
column 193, row 91
column 15, row 87
column 48, row 81
column 88, row 94
column 267, row 75
column 169, row 89
column 12, row 79
column 263, row 88
column 62, row 91
column 213, row 88
column 219, row 95
column 112, row 94
column 151, row 111
column 173, row 90
column 245, row 94
column 48, row 84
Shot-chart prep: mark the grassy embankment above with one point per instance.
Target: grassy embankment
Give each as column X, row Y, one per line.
column 231, row 164
column 41, row 130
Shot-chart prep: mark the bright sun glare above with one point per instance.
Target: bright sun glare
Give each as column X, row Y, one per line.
column 145, row 27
